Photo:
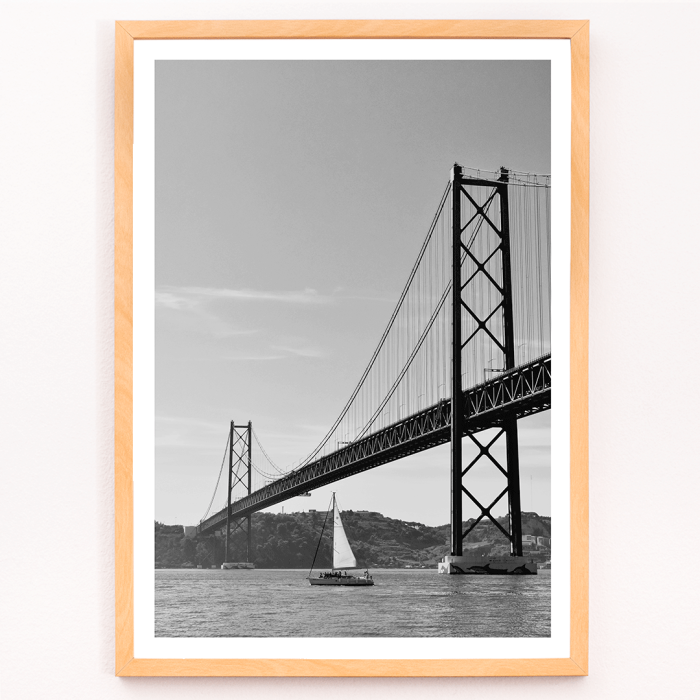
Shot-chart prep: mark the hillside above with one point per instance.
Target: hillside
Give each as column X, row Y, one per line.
column 289, row 540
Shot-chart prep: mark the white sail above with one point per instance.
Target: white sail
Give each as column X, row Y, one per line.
column 343, row 558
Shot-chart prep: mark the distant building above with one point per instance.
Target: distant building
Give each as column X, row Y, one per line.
column 544, row 542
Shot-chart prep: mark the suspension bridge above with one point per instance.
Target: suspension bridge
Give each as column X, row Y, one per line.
column 466, row 350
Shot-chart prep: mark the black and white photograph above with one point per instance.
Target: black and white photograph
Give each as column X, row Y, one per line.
column 353, row 339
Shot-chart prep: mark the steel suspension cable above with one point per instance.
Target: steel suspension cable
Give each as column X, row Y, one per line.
column 384, row 335
column 216, row 488
column 267, row 457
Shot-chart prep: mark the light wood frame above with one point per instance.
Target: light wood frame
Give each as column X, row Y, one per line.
column 126, row 33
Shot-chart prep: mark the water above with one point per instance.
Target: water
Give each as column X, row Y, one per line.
column 410, row 603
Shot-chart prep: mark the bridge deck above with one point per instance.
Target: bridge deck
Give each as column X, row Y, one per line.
column 519, row 392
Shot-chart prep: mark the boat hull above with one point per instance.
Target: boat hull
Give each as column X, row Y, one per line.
column 228, row 565
column 487, row 566
column 342, row 581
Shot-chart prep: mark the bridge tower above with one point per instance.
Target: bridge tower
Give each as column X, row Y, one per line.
column 239, row 472
column 469, row 218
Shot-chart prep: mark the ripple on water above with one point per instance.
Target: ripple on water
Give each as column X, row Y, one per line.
column 414, row 603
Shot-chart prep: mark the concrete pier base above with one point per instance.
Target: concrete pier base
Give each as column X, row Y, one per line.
column 482, row 565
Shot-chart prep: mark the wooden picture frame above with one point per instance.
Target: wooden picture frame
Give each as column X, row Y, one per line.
column 127, row 33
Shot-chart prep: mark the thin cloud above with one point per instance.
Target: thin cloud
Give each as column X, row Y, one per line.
column 300, row 352
column 179, row 298
column 183, row 298
column 343, row 294
column 170, row 300
column 197, row 316
column 190, row 433
column 188, row 422
column 284, row 354
column 255, row 358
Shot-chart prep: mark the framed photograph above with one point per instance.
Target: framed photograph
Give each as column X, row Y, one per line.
column 345, row 254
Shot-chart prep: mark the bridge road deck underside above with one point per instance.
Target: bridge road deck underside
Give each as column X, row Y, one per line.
column 519, row 392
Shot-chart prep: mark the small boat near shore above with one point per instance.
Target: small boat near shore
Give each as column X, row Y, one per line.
column 228, row 565
column 343, row 558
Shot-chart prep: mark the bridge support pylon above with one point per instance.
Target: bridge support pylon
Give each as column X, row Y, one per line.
column 240, row 471
column 480, row 214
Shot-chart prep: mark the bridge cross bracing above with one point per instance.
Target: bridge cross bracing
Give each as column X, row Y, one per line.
column 488, row 246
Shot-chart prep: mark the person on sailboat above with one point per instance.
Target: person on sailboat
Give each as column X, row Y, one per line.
column 342, row 555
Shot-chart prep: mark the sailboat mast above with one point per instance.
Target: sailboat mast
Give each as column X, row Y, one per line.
column 333, row 533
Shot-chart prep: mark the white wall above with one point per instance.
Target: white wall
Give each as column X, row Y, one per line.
column 56, row 582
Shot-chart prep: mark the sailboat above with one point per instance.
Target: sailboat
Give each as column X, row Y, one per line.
column 343, row 558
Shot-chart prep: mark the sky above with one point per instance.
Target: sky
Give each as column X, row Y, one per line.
column 292, row 198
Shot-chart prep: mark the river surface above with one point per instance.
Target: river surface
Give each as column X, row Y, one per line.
column 402, row 603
